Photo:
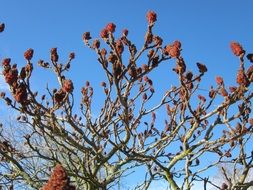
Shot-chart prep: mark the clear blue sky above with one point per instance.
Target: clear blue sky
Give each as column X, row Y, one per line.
column 205, row 29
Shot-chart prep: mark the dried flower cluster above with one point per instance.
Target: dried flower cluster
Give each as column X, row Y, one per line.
column 173, row 50
column 86, row 37
column 28, row 54
column 72, row 55
column 236, row 48
column 11, row 76
column 111, row 27
column 59, row 96
column 104, row 33
column 68, row 86
column 62, row 93
column 20, row 93
column 54, row 55
column 242, row 78
column 59, row 180
column 151, row 17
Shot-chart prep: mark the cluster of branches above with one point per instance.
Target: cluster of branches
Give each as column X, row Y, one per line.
column 97, row 152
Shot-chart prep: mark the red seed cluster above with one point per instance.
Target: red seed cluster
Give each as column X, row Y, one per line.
column 96, row 44
column 236, row 48
column 151, row 17
column 59, row 180
column 6, row 62
column 28, row 54
column 219, row 80
column 241, row 78
column 20, row 94
column 54, row 55
column 10, row 75
column 111, row 27
column 202, row 68
column 59, row 96
column 157, row 40
column 72, row 55
column 68, row 86
column 119, row 46
column 173, row 50
column 104, row 33
column 177, row 44
column 86, row 36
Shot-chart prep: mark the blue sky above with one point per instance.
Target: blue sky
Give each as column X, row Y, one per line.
column 205, row 29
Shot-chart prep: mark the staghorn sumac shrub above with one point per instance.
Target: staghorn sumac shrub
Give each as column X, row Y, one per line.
column 95, row 152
